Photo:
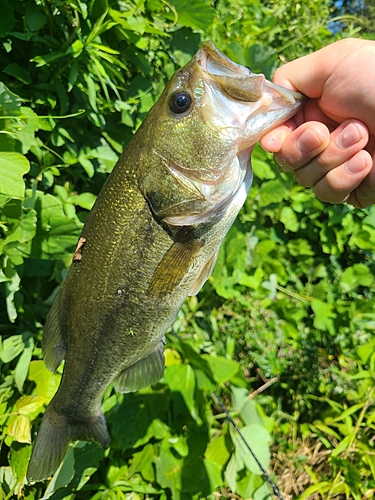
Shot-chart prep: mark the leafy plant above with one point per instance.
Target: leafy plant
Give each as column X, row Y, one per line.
column 288, row 309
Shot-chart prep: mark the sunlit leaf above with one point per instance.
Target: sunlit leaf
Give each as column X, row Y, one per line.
column 13, row 166
column 20, row 428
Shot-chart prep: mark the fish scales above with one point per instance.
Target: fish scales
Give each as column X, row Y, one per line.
column 151, row 240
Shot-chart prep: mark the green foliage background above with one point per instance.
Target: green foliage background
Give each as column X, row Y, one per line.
column 288, row 313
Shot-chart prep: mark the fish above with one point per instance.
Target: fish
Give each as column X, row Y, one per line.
column 152, row 239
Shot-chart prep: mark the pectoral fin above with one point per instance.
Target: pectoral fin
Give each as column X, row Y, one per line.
column 53, row 341
column 173, row 267
column 146, row 372
column 205, row 274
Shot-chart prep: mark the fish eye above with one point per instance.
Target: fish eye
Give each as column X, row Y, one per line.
column 180, row 102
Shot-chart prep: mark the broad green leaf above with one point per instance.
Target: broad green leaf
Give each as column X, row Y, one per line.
column 11, row 348
column 14, row 69
column 231, row 473
column 324, row 316
column 271, row 192
column 139, row 419
column 19, row 459
column 168, row 470
column 214, row 474
column 289, row 219
column 143, row 462
column 259, row 439
column 23, row 364
column 263, row 493
column 46, row 382
column 23, row 231
column 35, row 19
column 85, row 200
column 181, row 378
column 354, row 276
column 29, row 404
column 20, row 428
column 13, row 166
column 7, row 19
column 198, row 15
column 8, row 480
column 56, row 234
column 223, row 369
column 262, row 169
column 217, row 450
column 246, row 406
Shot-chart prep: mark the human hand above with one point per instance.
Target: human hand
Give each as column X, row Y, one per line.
column 330, row 144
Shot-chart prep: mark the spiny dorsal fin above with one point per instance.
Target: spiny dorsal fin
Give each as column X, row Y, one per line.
column 145, row 372
column 53, row 341
column 173, row 267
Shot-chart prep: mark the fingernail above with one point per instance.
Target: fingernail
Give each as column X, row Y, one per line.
column 308, row 141
column 349, row 136
column 356, row 164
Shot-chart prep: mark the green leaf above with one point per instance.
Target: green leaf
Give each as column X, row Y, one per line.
column 271, row 192
column 29, row 404
column 20, row 428
column 23, row 364
column 262, row 169
column 231, row 473
column 18, row 72
column 85, row 200
column 217, row 450
column 324, row 316
column 357, row 275
column 56, row 234
column 223, row 369
column 181, row 378
column 168, row 470
column 143, row 462
column 259, row 439
column 13, row 166
column 198, row 15
column 289, row 219
column 246, row 406
column 214, row 474
column 6, row 19
column 35, row 19
column 12, row 286
column 11, row 348
column 352, row 476
column 19, row 459
column 46, row 382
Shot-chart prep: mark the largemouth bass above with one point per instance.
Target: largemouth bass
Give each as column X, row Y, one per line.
column 151, row 240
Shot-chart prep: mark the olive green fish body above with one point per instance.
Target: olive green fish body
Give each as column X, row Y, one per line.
column 151, row 240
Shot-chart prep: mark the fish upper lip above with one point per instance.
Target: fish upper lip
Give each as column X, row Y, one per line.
column 212, row 61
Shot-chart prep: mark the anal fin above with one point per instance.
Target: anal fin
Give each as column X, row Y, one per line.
column 53, row 341
column 145, row 372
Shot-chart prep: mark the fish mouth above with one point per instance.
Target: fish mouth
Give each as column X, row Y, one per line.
column 242, row 96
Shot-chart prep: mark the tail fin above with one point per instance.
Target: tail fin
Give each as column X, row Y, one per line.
column 54, row 436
